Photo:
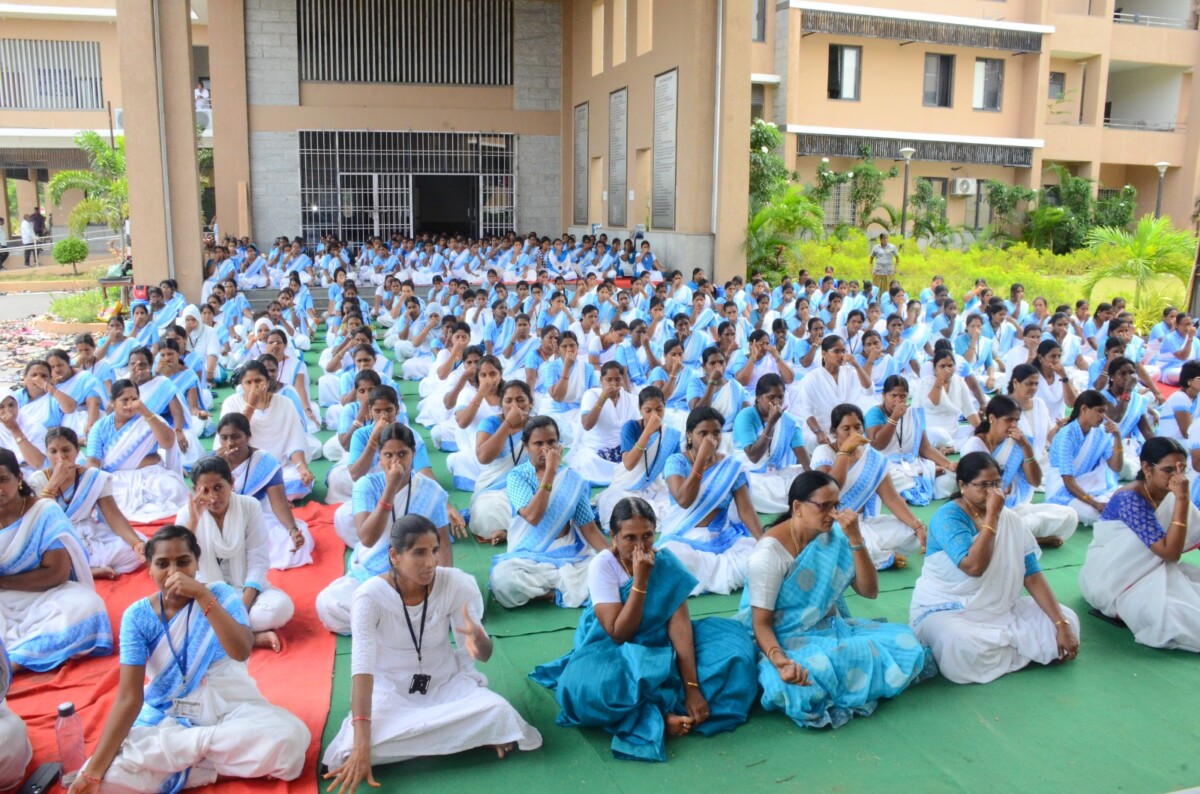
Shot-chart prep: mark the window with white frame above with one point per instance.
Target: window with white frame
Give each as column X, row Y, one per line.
column 758, row 26
column 50, row 75
column 989, row 84
column 939, row 80
column 845, row 67
column 978, row 213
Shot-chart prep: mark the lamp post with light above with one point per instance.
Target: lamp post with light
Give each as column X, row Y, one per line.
column 907, row 153
column 1162, row 172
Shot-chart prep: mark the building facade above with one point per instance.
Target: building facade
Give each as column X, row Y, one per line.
column 625, row 116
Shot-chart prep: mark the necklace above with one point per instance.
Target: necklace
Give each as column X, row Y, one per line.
column 1149, row 498
column 795, row 536
column 971, row 509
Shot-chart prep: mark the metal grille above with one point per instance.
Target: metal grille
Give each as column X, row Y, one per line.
column 839, row 210
column 50, row 75
column 359, row 184
column 432, row 42
column 934, row 151
column 873, row 27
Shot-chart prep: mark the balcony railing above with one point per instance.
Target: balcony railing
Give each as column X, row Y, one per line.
column 1149, row 21
column 1146, row 126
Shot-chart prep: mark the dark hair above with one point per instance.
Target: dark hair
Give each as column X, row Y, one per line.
column 58, row 353
column 62, row 431
column 895, row 381
column 998, row 407
column 518, row 384
column 1189, row 371
column 1115, row 365
column 941, row 353
column 368, row 375
column 768, row 382
column 805, row 485
column 758, row 334
column 1155, row 449
column 1044, row 349
column 1087, row 399
column 407, row 528
column 237, row 420
column 704, row 413
column 8, row 460
column 145, row 353
column 840, row 412
column 172, row 532
column 383, row 393
column 828, row 342
column 537, row 423
column 710, row 351
column 85, row 339
column 398, row 432
column 121, row 385
column 650, row 393
column 971, row 466
column 278, row 332
column 627, row 509
column 609, row 366
column 37, row 362
column 1022, row 373
column 169, row 344
column 212, row 464
column 251, row 366
column 565, row 336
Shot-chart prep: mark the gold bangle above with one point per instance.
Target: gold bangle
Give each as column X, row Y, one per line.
column 988, row 528
column 547, row 486
column 637, row 590
column 691, row 683
column 892, row 422
column 772, row 650
column 1063, row 622
column 639, row 446
column 1178, row 523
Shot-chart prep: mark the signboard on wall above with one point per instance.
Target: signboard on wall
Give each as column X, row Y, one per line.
column 666, row 101
column 579, row 196
column 618, row 118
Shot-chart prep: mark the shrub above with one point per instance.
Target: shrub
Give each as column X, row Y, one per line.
column 78, row 307
column 70, row 251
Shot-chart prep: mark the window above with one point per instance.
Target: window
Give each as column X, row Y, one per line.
column 838, row 208
column 645, row 26
column 989, row 83
column 1058, row 84
column 844, row 66
column 758, row 27
column 620, row 28
column 597, row 37
column 978, row 211
column 939, row 80
column 757, row 96
column 50, row 75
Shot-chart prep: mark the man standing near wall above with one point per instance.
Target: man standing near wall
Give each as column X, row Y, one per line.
column 884, row 259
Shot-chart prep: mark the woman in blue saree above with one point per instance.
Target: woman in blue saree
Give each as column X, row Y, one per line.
column 187, row 709
column 646, row 445
column 817, row 664
column 79, row 385
column 641, row 669
column 1085, row 458
column 115, row 348
column 1130, row 410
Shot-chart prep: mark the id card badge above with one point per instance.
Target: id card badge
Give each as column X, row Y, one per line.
column 186, row 709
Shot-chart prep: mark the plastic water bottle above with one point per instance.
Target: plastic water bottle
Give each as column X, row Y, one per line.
column 68, row 730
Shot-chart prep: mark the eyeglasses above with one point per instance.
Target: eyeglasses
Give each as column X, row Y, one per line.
column 1179, row 468
column 987, row 485
column 825, row 507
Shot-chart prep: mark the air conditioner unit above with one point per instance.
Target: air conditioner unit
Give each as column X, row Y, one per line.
column 962, row 187
column 119, row 119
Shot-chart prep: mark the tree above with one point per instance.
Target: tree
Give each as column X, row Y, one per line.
column 1116, row 210
column 70, row 251
column 105, row 191
column 768, row 172
column 777, row 228
column 1005, row 201
column 1154, row 249
column 929, row 214
column 866, row 185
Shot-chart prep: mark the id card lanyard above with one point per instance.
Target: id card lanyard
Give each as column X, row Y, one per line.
column 180, row 659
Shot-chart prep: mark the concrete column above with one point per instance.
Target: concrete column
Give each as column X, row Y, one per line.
column 26, row 196
column 231, row 125
column 164, row 184
column 733, row 175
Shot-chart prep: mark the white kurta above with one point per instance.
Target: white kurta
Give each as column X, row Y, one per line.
column 942, row 426
column 458, row 711
column 605, row 434
column 818, row 394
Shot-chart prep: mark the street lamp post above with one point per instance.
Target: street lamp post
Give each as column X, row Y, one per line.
column 907, row 152
column 1162, row 172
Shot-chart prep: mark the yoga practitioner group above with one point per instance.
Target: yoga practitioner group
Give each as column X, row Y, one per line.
column 630, row 440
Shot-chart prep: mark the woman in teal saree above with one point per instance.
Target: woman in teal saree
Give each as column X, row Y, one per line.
column 641, row 669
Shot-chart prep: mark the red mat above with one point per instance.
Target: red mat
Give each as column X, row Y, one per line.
column 300, row 679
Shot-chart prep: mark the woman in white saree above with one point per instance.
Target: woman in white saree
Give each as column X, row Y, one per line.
column 402, row 707
column 716, row 390
column 1085, row 458
column 919, row 471
column 603, row 412
column 85, row 495
column 1133, row 571
column 566, row 379
column 125, row 444
column 49, row 611
column 944, row 397
column 229, row 528
column 15, row 749
column 838, row 380
column 81, row 386
column 187, row 710
column 769, row 444
column 967, row 605
column 474, row 405
column 1036, row 422
column 499, row 449
column 41, row 400
column 23, row 436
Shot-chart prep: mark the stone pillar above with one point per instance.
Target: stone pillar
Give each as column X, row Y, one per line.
column 733, row 176
column 231, row 124
column 26, row 195
column 164, row 186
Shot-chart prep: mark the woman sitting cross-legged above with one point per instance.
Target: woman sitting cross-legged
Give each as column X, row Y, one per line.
column 553, row 533
column 861, row 472
column 967, row 605
column 1000, row 435
column 230, row 530
column 641, row 668
column 1133, row 569
column 187, row 710
column 85, row 495
column 817, row 664
column 49, row 611
column 1085, row 458
column 499, row 450
column 711, row 524
column 398, row 489
column 603, row 412
column 919, row 470
column 402, row 706
column 646, row 446
column 770, row 446
column 259, row 474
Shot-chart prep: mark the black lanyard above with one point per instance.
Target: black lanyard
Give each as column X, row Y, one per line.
column 417, row 641
column 407, row 502
column 651, row 464
column 515, row 454
column 187, row 630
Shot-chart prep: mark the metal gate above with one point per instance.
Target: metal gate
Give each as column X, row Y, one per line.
column 374, row 205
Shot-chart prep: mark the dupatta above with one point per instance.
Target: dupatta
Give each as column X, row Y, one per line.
column 534, row 541
column 716, row 492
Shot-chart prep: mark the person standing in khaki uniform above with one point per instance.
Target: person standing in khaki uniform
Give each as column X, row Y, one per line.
column 884, row 260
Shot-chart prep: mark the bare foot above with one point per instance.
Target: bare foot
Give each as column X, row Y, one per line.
column 504, row 749
column 901, row 562
column 1052, row 542
column 268, row 639
column 499, row 536
column 678, row 724
column 104, row 572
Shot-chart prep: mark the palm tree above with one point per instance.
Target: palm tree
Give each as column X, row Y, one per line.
column 105, row 191
column 1153, row 249
column 779, row 226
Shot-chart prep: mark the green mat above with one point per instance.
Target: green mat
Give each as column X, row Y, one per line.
column 1120, row 718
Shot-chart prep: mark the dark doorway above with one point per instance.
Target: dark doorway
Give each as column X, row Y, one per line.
column 445, row 204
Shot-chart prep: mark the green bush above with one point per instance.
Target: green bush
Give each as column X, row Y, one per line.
column 78, row 307
column 70, row 251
